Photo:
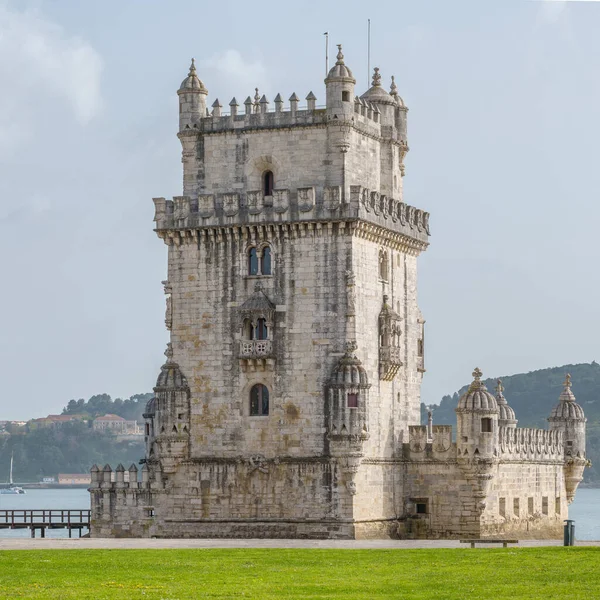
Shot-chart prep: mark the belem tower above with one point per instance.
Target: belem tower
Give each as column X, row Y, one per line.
column 289, row 403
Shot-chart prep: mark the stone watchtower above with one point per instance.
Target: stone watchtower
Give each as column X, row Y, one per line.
column 296, row 342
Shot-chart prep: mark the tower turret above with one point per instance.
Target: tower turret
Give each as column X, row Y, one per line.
column 385, row 102
column 477, row 421
column 506, row 415
column 192, row 99
column 339, row 86
column 567, row 416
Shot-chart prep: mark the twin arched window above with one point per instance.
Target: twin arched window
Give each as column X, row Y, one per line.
column 256, row 331
column 259, row 261
column 259, row 400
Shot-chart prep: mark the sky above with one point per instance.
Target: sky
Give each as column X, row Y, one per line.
column 503, row 134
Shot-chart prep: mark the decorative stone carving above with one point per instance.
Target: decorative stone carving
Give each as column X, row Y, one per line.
column 206, row 205
column 169, row 305
column 281, row 200
column 375, row 203
column 350, row 293
column 255, row 202
column 332, row 197
column 306, row 199
column 389, row 342
column 231, row 204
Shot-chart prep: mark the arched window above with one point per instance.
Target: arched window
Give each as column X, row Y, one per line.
column 252, row 262
column 268, row 183
column 259, row 400
column 261, row 330
column 265, row 261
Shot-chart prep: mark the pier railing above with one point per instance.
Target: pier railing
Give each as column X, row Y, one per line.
column 43, row 519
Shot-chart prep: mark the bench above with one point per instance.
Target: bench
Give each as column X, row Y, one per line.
column 490, row 541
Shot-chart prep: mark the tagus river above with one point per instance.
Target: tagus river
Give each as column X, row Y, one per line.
column 585, row 510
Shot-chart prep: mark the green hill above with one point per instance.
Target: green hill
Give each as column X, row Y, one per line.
column 533, row 395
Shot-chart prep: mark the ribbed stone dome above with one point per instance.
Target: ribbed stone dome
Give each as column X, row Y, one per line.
column 150, row 409
column 477, row 397
column 170, row 377
column 192, row 82
column 349, row 372
column 376, row 93
column 506, row 414
column 340, row 70
column 567, row 408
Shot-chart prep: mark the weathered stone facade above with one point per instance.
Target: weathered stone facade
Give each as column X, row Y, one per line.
column 289, row 405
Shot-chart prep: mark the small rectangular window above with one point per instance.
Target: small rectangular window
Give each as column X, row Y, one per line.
column 352, row 400
column 345, row 96
column 530, row 505
column 486, row 425
column 557, row 504
column 502, row 507
column 147, row 428
column 545, row 505
column 516, row 508
column 421, row 508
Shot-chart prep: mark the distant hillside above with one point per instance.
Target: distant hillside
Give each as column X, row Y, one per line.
column 533, row 395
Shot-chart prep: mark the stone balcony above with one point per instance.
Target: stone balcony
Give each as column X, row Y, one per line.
column 390, row 362
column 257, row 355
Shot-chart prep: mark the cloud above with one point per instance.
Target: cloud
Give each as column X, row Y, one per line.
column 551, row 11
column 229, row 66
column 41, row 67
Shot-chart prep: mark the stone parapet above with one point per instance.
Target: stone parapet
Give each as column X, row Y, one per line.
column 423, row 447
column 299, row 205
column 517, row 443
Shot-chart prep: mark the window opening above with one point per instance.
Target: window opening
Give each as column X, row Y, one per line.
column 268, row 183
column 259, row 400
column 421, row 508
column 261, row 330
column 516, row 506
column 486, row 425
column 545, row 505
column 345, row 96
column 265, row 261
column 147, row 428
column 530, row 505
column 252, row 262
column 352, row 400
column 502, row 507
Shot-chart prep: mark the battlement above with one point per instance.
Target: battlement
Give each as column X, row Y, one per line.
column 259, row 114
column 436, row 445
column 530, row 444
column 296, row 205
column 106, row 479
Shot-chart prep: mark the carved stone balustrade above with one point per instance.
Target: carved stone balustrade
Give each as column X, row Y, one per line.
column 257, row 355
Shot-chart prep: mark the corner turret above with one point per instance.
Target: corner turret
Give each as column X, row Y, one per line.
column 506, row 416
column 192, row 100
column 567, row 416
column 339, row 85
column 477, row 421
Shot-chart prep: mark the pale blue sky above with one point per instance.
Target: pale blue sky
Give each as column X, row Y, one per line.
column 503, row 130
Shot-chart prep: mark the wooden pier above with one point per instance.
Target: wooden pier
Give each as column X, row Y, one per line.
column 45, row 519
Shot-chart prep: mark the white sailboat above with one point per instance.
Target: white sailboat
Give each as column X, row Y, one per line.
column 12, row 488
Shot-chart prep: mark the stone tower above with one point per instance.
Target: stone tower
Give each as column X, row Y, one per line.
column 289, row 403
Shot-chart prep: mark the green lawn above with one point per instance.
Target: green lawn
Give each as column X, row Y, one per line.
column 268, row 574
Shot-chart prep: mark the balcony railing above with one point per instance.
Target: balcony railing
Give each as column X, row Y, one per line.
column 256, row 349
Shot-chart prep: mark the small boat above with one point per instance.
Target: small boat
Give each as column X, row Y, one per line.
column 12, row 488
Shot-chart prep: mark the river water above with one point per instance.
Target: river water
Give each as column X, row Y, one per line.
column 585, row 510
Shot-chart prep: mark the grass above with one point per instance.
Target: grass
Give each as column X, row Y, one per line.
column 308, row 574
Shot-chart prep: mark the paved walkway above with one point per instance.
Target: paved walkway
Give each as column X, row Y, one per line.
column 122, row 544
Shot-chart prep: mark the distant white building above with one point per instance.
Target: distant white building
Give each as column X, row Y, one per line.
column 116, row 424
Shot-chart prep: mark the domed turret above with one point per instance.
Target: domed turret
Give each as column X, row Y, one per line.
column 167, row 416
column 506, row 416
column 401, row 111
column 192, row 100
column 385, row 102
column 348, row 399
column 339, row 85
column 477, row 421
column 568, row 417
